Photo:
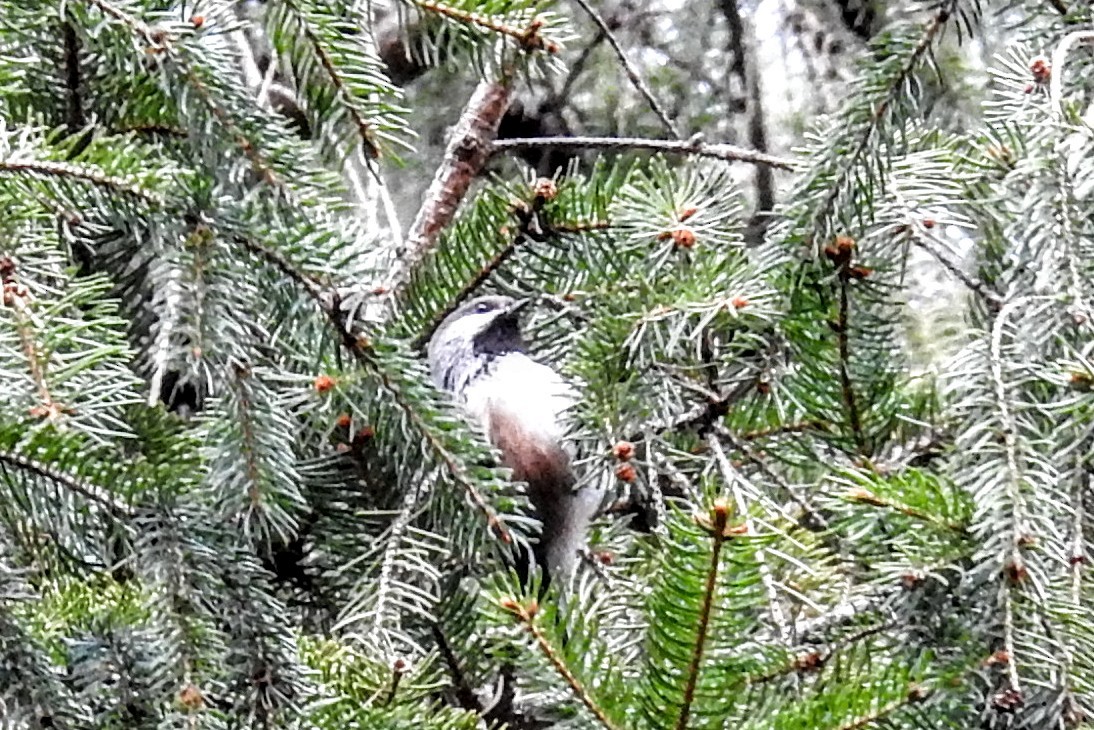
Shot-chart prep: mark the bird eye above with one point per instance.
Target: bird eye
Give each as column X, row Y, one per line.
column 482, row 307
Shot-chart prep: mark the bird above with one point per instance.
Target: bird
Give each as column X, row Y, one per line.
column 478, row 355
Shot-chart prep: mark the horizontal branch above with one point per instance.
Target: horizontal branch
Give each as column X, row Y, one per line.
column 718, row 151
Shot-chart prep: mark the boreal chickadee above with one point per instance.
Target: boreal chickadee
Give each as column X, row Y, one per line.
column 479, row 356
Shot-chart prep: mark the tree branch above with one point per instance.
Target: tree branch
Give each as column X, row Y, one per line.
column 719, row 151
column 632, row 72
column 464, row 159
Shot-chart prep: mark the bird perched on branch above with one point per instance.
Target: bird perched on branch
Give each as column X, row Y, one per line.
column 478, row 355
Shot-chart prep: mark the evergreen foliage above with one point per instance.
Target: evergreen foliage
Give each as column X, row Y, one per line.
column 231, row 497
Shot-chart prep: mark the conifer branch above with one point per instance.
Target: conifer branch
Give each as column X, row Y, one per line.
column 526, row 616
column 89, row 491
column 1012, row 484
column 361, row 348
column 364, row 128
column 464, row 159
column 848, row 162
column 628, row 67
column 843, row 343
column 930, row 243
column 719, row 524
column 915, row 695
column 529, row 38
column 732, row 480
column 64, row 170
column 529, row 219
column 717, row 150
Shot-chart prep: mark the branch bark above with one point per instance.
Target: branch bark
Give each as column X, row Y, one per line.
column 464, row 158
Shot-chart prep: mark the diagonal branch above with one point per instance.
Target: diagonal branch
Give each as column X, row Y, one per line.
column 632, row 72
column 526, row 616
column 89, row 491
column 464, row 159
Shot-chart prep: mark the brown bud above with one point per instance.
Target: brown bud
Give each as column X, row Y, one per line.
column 739, row 302
column 1025, row 540
column 399, row 665
column 606, row 557
column 197, row 21
column 999, row 657
column 917, row 693
column 7, row 267
column 910, row 580
column 683, row 237
column 365, row 434
column 546, row 189
column 809, row 661
column 860, row 272
column 343, row 420
column 1041, row 69
column 323, row 383
column 928, row 223
column 623, row 450
column 1015, row 570
column 190, row 698
column 626, row 473
column 686, row 212
column 1008, row 700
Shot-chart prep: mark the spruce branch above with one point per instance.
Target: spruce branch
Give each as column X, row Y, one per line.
column 844, row 345
column 719, row 533
column 65, row 171
column 717, row 150
column 529, row 38
column 732, row 479
column 69, row 482
column 1012, row 482
column 849, row 161
column 529, row 219
column 464, row 159
column 923, row 239
column 525, row 615
column 363, row 126
column 1059, row 59
column 628, row 67
column 916, row 694
column 75, row 118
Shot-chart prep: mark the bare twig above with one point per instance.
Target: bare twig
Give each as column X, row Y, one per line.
column 464, row 158
column 924, row 240
column 719, row 151
column 632, row 72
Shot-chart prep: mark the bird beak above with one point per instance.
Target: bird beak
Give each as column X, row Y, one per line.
column 513, row 310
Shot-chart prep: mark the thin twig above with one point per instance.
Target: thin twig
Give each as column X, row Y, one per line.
column 922, row 239
column 465, row 695
column 527, row 619
column 719, row 151
column 851, row 160
column 632, row 72
column 464, row 159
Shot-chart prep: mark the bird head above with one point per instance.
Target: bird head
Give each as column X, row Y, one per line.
column 482, row 328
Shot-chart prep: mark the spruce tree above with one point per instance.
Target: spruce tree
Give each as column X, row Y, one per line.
column 230, row 496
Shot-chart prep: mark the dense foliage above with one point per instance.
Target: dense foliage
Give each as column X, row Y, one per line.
column 231, row 497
